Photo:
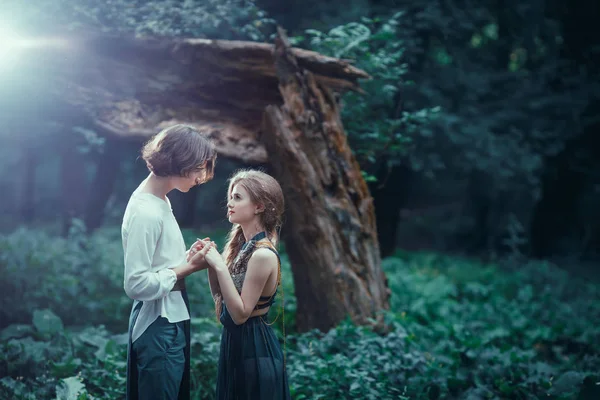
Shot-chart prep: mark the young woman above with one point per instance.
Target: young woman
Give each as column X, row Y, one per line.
column 244, row 283
column 156, row 264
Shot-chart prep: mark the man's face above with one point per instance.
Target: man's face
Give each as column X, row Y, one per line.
column 195, row 178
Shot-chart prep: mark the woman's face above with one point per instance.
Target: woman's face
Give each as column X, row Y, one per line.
column 240, row 208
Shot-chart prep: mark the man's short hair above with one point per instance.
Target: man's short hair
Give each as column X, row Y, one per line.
column 180, row 150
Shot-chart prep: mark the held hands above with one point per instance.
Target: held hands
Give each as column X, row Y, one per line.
column 197, row 254
column 196, row 247
column 214, row 259
column 203, row 253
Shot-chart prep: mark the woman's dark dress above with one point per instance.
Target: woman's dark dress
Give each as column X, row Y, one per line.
column 251, row 363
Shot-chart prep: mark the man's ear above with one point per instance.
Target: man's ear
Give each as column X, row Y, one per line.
column 202, row 165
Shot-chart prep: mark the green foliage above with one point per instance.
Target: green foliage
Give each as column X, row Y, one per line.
column 493, row 331
column 75, row 277
column 456, row 329
column 480, row 100
column 231, row 19
column 376, row 125
column 507, row 105
column 354, row 361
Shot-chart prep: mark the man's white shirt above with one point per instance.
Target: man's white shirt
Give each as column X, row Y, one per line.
column 152, row 245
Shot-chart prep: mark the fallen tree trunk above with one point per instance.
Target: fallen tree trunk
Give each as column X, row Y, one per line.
column 331, row 236
column 133, row 87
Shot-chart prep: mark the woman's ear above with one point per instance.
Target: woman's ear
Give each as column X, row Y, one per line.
column 259, row 209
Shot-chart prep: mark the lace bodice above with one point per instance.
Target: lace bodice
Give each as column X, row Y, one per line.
column 240, row 264
column 238, row 280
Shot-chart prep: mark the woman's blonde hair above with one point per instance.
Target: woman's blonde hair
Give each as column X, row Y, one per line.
column 265, row 190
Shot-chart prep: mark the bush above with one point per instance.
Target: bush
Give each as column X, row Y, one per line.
column 497, row 332
column 79, row 279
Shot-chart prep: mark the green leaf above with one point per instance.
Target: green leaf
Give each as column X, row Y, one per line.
column 16, row 387
column 567, row 383
column 15, row 331
column 47, row 323
column 66, row 368
column 70, row 389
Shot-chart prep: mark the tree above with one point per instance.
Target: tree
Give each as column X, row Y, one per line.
column 570, row 181
column 331, row 238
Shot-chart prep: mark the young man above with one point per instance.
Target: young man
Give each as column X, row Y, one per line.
column 156, row 263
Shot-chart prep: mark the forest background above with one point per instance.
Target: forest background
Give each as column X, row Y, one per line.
column 478, row 136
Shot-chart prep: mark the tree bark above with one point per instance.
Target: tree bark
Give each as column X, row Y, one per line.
column 134, row 87
column 331, row 235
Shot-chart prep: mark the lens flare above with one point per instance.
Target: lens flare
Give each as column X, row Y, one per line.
column 13, row 46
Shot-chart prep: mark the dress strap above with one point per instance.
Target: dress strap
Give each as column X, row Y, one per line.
column 267, row 301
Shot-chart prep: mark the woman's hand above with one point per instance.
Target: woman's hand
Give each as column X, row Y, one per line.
column 197, row 258
column 196, row 247
column 214, row 259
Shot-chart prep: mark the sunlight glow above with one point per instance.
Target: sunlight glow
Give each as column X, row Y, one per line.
column 13, row 46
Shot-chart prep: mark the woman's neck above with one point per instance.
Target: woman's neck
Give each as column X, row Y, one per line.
column 251, row 231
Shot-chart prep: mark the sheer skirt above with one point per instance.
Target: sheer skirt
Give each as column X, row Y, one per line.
column 251, row 363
